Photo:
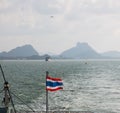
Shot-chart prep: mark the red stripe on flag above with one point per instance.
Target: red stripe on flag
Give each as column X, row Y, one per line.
column 55, row 79
column 49, row 89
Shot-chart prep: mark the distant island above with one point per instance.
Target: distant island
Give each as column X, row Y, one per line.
column 80, row 51
column 85, row 51
column 24, row 52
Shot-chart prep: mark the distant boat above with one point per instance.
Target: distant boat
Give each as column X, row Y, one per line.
column 86, row 63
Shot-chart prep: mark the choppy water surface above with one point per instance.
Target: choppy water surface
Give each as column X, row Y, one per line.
column 92, row 86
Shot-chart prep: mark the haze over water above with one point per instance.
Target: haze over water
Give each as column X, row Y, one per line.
column 89, row 85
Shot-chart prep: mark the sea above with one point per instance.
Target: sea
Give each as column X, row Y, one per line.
column 89, row 85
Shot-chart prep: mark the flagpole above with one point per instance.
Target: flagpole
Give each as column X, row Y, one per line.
column 46, row 93
column 46, row 59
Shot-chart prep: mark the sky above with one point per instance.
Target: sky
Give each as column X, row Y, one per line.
column 57, row 25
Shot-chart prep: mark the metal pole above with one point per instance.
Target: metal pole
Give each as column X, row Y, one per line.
column 46, row 93
column 2, row 73
column 6, row 96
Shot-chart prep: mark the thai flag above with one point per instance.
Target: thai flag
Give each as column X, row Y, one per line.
column 53, row 84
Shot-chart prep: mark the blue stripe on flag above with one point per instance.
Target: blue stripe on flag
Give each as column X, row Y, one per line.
column 53, row 84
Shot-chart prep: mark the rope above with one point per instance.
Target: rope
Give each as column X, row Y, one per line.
column 12, row 101
column 23, row 102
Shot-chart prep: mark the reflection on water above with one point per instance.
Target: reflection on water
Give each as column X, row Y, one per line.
column 92, row 86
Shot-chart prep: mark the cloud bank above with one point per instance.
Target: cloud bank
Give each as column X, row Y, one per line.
column 55, row 25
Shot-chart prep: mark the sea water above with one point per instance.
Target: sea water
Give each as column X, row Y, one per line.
column 89, row 85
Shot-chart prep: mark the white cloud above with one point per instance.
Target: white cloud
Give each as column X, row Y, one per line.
column 4, row 4
column 62, row 22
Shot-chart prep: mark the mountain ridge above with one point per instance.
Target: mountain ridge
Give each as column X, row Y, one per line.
column 21, row 51
column 113, row 54
column 80, row 51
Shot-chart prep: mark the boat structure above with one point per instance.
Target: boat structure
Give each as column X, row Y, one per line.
column 8, row 100
column 7, row 97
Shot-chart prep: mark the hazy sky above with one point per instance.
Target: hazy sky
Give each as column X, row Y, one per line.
column 56, row 25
